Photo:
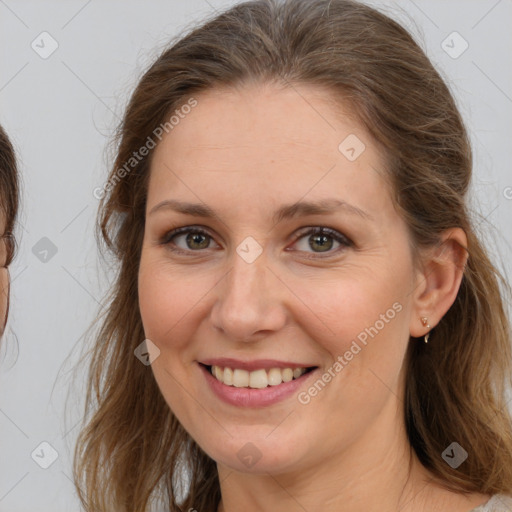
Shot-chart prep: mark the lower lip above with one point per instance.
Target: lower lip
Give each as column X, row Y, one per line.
column 248, row 397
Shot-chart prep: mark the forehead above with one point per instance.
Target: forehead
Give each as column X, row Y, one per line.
column 264, row 114
column 271, row 141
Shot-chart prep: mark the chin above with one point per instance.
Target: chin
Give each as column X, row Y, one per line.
column 255, row 454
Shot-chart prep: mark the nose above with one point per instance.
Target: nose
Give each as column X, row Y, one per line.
column 251, row 301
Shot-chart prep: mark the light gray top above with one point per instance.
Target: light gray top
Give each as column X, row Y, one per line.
column 498, row 503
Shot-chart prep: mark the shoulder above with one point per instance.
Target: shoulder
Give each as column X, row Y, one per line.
column 497, row 503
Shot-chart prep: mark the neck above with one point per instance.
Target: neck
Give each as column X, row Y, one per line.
column 379, row 471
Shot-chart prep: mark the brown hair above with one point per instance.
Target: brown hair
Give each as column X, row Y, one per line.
column 9, row 200
column 133, row 446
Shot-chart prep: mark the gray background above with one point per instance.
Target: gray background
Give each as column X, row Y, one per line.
column 61, row 111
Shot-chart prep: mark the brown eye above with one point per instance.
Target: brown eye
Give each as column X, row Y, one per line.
column 195, row 239
column 200, row 239
column 322, row 240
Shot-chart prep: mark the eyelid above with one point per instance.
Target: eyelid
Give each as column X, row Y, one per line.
column 342, row 239
column 174, row 232
column 314, row 230
column 301, row 233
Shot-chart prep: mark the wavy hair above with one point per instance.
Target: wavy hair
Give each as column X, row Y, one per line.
column 133, row 449
column 9, row 202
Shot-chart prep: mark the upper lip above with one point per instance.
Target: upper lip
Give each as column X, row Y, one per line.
column 255, row 364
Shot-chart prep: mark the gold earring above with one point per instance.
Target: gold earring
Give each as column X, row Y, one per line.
column 424, row 321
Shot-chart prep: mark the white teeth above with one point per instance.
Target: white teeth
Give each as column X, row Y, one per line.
column 274, row 377
column 227, row 376
column 287, row 374
column 297, row 373
column 217, row 371
column 257, row 379
column 240, row 378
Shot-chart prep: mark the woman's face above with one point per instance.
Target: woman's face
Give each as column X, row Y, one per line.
column 262, row 294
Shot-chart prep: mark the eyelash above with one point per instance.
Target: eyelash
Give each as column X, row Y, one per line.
column 319, row 230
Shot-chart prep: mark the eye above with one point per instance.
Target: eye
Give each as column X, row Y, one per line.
column 194, row 239
column 321, row 240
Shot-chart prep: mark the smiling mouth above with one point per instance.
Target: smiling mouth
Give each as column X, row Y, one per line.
column 257, row 379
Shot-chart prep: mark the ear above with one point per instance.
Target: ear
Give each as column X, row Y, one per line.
column 438, row 281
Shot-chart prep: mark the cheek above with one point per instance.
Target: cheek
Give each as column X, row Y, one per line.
column 361, row 322
column 352, row 304
column 169, row 302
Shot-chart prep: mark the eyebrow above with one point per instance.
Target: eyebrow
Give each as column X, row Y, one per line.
column 298, row 209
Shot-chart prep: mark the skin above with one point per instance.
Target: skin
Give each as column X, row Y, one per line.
column 244, row 153
column 4, row 277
